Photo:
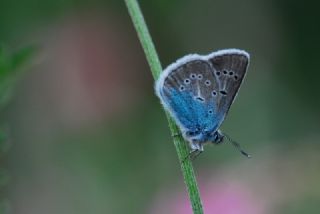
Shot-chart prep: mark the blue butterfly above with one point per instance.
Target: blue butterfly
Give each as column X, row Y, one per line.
column 198, row 91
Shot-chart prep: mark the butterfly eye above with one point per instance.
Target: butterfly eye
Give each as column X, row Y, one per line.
column 200, row 76
column 214, row 93
column 186, row 81
column 207, row 82
column 193, row 76
column 182, row 88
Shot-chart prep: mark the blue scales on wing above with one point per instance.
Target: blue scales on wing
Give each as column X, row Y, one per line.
column 190, row 92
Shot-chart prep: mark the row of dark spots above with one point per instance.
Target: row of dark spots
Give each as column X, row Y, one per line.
column 214, row 93
column 194, row 76
column 199, row 77
column 187, row 82
column 225, row 72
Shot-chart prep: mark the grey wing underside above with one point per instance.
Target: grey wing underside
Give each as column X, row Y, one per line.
column 229, row 70
column 194, row 83
column 194, row 76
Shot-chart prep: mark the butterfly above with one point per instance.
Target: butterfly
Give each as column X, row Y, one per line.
column 198, row 90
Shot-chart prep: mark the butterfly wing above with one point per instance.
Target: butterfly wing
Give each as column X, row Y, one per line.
column 199, row 90
column 229, row 68
column 187, row 90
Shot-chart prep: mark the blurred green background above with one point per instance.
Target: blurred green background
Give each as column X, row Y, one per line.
column 84, row 132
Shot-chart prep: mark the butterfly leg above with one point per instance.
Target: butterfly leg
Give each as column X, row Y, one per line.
column 196, row 150
column 194, row 154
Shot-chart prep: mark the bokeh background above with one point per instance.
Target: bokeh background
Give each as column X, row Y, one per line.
column 86, row 134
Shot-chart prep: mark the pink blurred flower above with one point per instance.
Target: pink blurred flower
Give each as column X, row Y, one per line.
column 226, row 197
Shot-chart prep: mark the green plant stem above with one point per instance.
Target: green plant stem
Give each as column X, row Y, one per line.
column 156, row 69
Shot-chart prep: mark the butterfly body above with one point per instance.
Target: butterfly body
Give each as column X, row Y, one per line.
column 199, row 90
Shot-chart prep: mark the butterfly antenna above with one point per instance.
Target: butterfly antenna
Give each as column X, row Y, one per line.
column 237, row 146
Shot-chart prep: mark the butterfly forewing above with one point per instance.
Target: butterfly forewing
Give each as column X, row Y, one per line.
column 229, row 70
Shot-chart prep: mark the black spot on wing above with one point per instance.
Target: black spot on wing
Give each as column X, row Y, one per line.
column 223, row 92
